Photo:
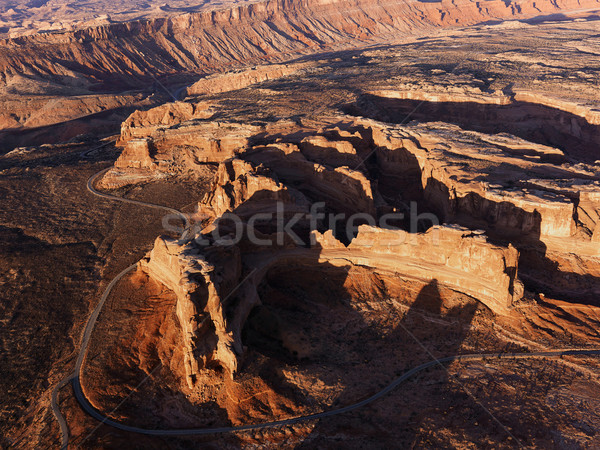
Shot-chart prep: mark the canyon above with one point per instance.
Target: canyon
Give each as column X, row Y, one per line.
column 166, row 53
column 367, row 187
column 409, row 164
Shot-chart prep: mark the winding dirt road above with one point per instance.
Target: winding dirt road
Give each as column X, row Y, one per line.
column 334, row 412
column 75, row 377
column 85, row 339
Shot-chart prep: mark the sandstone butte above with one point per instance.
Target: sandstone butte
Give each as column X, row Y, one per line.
column 500, row 222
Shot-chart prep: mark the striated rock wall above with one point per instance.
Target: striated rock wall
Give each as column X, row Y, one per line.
column 238, row 187
column 342, row 188
column 588, row 112
column 181, row 151
column 240, row 79
column 200, row 282
column 548, row 211
column 142, row 124
column 273, row 29
column 31, row 110
column 454, row 256
column 136, row 155
column 540, row 218
column 430, row 92
column 456, row 189
column 336, row 153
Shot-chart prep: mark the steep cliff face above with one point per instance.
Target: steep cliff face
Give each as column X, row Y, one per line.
column 115, row 55
column 342, row 188
column 217, row 283
column 517, row 191
column 200, row 282
column 239, row 79
column 456, row 190
column 142, row 124
column 152, row 149
column 456, row 257
column 238, row 187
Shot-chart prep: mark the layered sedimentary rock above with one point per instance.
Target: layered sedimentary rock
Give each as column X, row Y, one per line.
column 276, row 28
column 461, row 175
column 242, row 78
column 343, row 188
column 453, row 256
column 201, row 281
column 200, row 142
column 238, row 187
column 89, row 70
column 25, row 109
column 455, row 91
column 336, row 153
column 512, row 201
column 517, row 191
column 589, row 112
column 200, row 269
column 136, row 155
column 142, row 124
column 174, row 151
column 466, row 181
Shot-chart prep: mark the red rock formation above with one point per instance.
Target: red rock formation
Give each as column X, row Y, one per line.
column 498, row 183
column 273, row 29
column 331, row 152
column 203, row 276
column 180, row 151
column 238, row 187
column 201, row 283
column 342, row 188
column 239, row 79
column 30, row 110
column 136, row 155
column 456, row 257
column 142, row 124
column 452, row 186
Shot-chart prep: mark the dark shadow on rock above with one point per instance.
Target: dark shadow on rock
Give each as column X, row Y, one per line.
column 430, row 329
column 534, row 122
column 99, row 123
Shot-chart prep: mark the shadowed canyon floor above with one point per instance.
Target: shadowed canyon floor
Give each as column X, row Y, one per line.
column 493, row 129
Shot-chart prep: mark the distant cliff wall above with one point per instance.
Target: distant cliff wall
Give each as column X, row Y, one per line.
column 116, row 55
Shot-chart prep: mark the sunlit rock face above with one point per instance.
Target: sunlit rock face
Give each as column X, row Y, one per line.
column 201, row 281
column 480, row 214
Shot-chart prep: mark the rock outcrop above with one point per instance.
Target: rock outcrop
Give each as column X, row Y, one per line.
column 89, row 70
column 341, row 188
column 241, row 189
column 142, row 124
column 520, row 193
column 206, row 273
column 505, row 209
column 454, row 256
column 201, row 282
column 230, row 81
column 180, row 151
column 456, row 188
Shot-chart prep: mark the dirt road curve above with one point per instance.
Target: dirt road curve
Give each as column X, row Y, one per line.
column 75, row 377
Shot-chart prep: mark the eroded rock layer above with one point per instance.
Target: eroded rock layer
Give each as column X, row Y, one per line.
column 483, row 187
column 492, row 193
column 207, row 40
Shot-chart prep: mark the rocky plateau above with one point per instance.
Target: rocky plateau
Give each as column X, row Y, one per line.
column 367, row 186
